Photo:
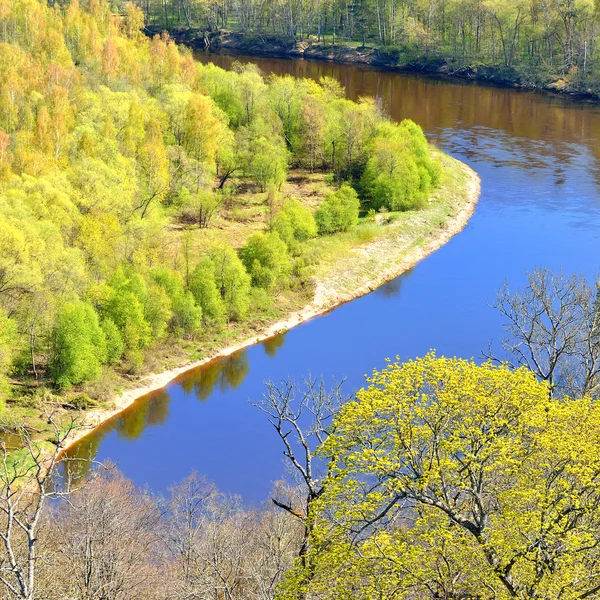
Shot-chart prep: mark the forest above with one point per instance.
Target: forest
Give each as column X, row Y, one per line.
column 531, row 42
column 119, row 154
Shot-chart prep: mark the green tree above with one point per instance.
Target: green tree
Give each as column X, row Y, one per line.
column 8, row 344
column 204, row 287
column 114, row 341
column 186, row 315
column 266, row 258
column 338, row 211
column 78, row 348
column 400, row 172
column 232, row 280
column 451, row 479
column 124, row 303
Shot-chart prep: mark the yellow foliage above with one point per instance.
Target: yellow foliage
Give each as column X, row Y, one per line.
column 451, row 479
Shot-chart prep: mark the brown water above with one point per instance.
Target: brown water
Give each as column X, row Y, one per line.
column 538, row 158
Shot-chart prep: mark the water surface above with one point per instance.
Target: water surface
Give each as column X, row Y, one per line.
column 538, row 158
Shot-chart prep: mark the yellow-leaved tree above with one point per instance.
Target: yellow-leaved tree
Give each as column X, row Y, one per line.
column 449, row 479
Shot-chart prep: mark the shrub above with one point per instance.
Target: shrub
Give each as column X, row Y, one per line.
column 266, row 259
column 339, row 211
column 295, row 224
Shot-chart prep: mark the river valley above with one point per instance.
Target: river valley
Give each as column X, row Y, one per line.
column 538, row 159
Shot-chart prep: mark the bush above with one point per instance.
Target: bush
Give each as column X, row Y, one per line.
column 199, row 207
column 339, row 211
column 266, row 259
column 295, row 224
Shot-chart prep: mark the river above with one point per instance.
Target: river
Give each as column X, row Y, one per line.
column 538, row 158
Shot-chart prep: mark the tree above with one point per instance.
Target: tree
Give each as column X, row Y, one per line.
column 553, row 327
column 109, row 542
column 232, row 282
column 122, row 301
column 110, row 60
column 302, row 419
column 204, row 287
column 263, row 158
column 266, row 259
column 78, row 345
column 27, row 485
column 8, row 345
column 114, row 341
column 400, row 172
column 186, row 315
column 447, row 475
column 338, row 211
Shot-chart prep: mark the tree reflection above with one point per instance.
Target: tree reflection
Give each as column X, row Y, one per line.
column 227, row 373
column 272, row 345
column 394, row 287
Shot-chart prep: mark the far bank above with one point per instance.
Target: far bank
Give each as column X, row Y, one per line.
column 380, row 57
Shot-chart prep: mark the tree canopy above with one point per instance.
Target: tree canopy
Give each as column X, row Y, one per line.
column 451, row 479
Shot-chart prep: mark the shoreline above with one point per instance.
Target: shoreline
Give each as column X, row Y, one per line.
column 226, row 42
column 321, row 304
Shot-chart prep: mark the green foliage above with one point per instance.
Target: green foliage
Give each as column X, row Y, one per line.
column 186, row 316
column 78, row 345
column 266, row 258
column 456, row 474
column 262, row 158
column 203, row 286
column 339, row 211
column 123, row 304
column 107, row 137
column 400, row 172
column 8, row 340
column 232, row 281
column 295, row 224
column 114, row 341
column 199, row 207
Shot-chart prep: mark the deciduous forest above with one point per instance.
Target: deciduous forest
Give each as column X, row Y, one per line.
column 531, row 42
column 153, row 209
column 118, row 154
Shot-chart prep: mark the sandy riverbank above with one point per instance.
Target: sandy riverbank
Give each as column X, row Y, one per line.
column 392, row 260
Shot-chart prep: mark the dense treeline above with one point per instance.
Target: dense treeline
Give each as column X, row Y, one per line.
column 531, row 40
column 117, row 152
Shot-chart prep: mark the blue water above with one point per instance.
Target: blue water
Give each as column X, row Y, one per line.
column 540, row 205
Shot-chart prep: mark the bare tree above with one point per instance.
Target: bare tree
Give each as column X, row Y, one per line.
column 219, row 549
column 110, row 547
column 553, row 327
column 276, row 540
column 27, row 484
column 302, row 418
